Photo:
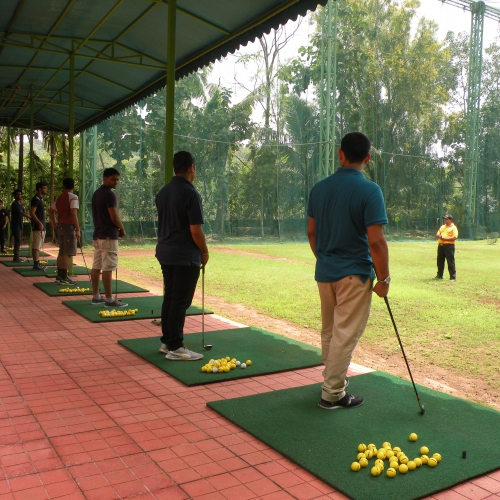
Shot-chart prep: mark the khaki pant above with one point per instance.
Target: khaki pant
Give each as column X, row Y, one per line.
column 345, row 308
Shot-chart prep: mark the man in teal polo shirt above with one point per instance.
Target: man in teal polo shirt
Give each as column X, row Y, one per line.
column 346, row 214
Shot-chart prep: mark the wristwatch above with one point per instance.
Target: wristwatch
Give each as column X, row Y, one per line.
column 387, row 281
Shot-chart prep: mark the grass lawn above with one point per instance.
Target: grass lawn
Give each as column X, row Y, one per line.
column 455, row 326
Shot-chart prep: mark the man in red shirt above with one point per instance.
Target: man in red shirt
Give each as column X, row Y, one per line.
column 68, row 230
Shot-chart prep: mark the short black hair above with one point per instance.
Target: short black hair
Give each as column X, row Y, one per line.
column 68, row 183
column 40, row 184
column 108, row 172
column 355, row 146
column 16, row 191
column 182, row 161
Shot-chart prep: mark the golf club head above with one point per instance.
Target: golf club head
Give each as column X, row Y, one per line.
column 207, row 347
column 422, row 409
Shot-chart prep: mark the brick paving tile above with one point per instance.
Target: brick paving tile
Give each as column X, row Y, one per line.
column 82, row 418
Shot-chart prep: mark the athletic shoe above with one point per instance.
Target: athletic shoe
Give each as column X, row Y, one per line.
column 97, row 302
column 115, row 303
column 348, row 401
column 18, row 260
column 39, row 268
column 156, row 322
column 437, row 278
column 66, row 281
column 183, row 354
column 453, row 279
column 163, row 349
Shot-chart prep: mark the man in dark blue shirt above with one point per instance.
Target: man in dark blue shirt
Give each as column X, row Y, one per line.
column 4, row 219
column 37, row 212
column 17, row 213
column 108, row 227
column 181, row 250
column 346, row 214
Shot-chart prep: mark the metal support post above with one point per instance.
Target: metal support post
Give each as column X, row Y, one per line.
column 169, row 119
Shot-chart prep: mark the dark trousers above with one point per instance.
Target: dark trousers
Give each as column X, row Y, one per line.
column 18, row 234
column 179, row 284
column 3, row 238
column 446, row 252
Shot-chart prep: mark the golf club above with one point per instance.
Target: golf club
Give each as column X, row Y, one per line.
column 209, row 346
column 79, row 245
column 422, row 410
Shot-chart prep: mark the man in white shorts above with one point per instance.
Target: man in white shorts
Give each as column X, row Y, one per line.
column 108, row 228
column 37, row 213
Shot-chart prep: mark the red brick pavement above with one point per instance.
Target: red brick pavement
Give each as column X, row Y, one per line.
column 83, row 418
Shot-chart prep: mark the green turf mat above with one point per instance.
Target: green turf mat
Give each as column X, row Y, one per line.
column 53, row 289
column 268, row 352
column 325, row 442
column 23, row 253
column 49, row 272
column 26, row 263
column 149, row 307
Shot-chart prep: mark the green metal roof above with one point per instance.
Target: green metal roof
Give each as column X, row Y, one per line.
column 120, row 51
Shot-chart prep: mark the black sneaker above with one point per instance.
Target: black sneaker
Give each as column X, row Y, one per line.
column 18, row 260
column 348, row 401
column 437, row 278
column 97, row 302
column 39, row 268
column 65, row 281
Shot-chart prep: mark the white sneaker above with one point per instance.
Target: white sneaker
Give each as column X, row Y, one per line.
column 163, row 349
column 183, row 354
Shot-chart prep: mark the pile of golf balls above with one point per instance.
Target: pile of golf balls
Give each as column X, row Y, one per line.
column 224, row 365
column 117, row 314
column 43, row 262
column 396, row 458
column 74, row 290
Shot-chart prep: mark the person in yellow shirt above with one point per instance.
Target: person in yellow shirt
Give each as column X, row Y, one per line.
column 446, row 235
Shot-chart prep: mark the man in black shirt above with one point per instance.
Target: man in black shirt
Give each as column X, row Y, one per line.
column 181, row 250
column 4, row 218
column 108, row 227
column 37, row 212
column 17, row 213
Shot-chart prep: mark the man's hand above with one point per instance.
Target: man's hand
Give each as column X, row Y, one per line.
column 121, row 233
column 204, row 259
column 40, row 226
column 381, row 290
column 78, row 235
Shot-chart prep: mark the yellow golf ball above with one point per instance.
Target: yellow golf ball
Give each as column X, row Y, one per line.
column 393, row 465
column 369, row 453
column 360, row 455
column 381, row 454
column 379, row 463
column 386, row 443
column 391, row 472
column 375, row 471
column 363, row 462
column 424, row 450
column 403, row 469
column 411, row 465
column 418, row 462
column 362, row 447
column 355, row 466
column 413, row 437
column 371, row 445
column 437, row 456
column 424, row 459
column 432, row 462
column 389, row 454
column 248, row 362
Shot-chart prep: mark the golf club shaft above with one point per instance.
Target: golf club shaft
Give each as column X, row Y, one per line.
column 203, row 305
column 85, row 262
column 402, row 350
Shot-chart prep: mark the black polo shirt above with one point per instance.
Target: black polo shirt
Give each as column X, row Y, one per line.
column 16, row 217
column 102, row 199
column 37, row 202
column 179, row 207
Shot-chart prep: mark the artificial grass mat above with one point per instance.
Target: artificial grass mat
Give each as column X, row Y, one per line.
column 325, row 442
column 149, row 308
column 50, row 272
column 53, row 289
column 269, row 353
column 25, row 252
column 26, row 263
